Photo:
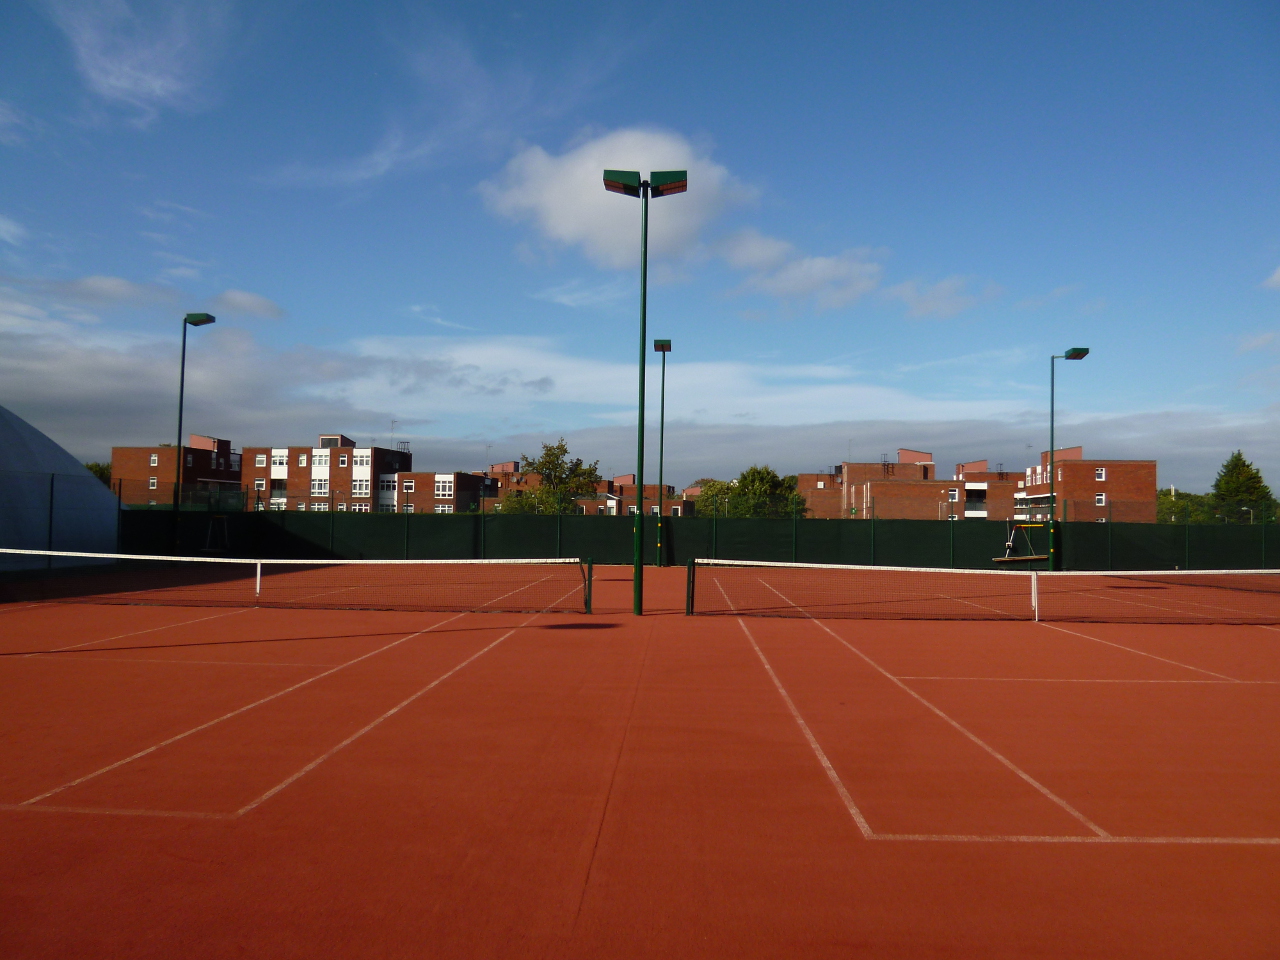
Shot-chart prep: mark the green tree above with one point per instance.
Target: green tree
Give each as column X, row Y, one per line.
column 1239, row 488
column 100, row 470
column 713, row 501
column 561, row 479
column 1183, row 507
column 758, row 492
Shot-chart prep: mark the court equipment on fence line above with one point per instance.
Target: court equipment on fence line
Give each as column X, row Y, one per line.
column 822, row 591
column 507, row 586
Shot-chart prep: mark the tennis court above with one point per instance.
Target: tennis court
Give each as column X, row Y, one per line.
column 214, row 780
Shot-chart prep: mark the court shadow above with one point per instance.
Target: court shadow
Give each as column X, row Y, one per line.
column 576, row 626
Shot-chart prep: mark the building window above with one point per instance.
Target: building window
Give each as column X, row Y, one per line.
column 359, row 488
column 953, row 495
column 444, row 508
column 260, row 483
column 675, row 511
column 1099, row 473
column 151, row 503
column 360, row 459
column 631, row 510
column 155, row 460
column 444, row 487
column 408, row 508
column 342, row 508
column 302, row 504
column 387, row 486
column 188, row 459
column 302, row 459
column 1099, row 499
column 319, row 459
column 322, row 507
column 386, row 508
column 151, row 483
column 342, row 459
column 408, row 486
column 259, row 506
column 359, row 508
column 319, row 488
column 654, row 509
column 1059, row 474
column 279, row 460
column 822, row 484
column 260, row 460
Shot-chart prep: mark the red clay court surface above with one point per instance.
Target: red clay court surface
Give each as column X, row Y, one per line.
column 203, row 782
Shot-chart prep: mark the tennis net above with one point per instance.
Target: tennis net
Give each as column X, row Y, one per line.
column 508, row 586
column 919, row 593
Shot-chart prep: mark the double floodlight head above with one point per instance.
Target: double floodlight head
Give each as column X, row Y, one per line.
column 661, row 183
column 662, row 346
column 198, row 319
column 1076, row 353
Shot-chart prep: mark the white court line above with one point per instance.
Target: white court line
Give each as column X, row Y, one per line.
column 1121, row 646
column 233, row 713
column 1026, row 777
column 1087, row 680
column 390, row 713
column 136, row 633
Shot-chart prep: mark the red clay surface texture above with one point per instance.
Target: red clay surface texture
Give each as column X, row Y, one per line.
column 199, row 782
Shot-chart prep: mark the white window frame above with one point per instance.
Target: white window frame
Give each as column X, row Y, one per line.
column 1100, row 473
column 319, row 459
column 360, row 508
column 631, row 510
column 822, row 484
column 342, row 459
column 1099, row 499
column 360, row 488
column 259, row 459
column 444, row 508
column 302, row 505
column 360, row 459
column 319, row 487
column 151, row 483
column 302, row 459
column 953, row 495
column 444, row 488
column 280, row 460
column 342, row 508
column 260, row 483
column 408, row 486
column 322, row 507
column 155, row 460
column 675, row 511
column 386, row 486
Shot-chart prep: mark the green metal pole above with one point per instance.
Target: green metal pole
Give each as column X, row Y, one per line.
column 1053, row 504
column 637, row 599
column 177, row 469
column 793, row 528
column 662, row 428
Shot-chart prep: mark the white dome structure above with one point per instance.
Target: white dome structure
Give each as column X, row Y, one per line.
column 47, row 498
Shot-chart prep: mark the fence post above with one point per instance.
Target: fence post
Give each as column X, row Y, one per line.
column 406, row 535
column 120, row 509
column 688, row 588
column 951, row 528
column 873, row 531
column 1186, row 546
column 558, row 516
column 483, row 517
column 793, row 529
column 588, row 586
column 714, row 555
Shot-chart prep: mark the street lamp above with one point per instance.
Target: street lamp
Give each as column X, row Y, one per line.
column 663, row 347
column 1250, row 509
column 1072, row 353
column 190, row 320
column 661, row 183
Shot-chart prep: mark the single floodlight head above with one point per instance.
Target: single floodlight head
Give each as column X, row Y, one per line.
column 1076, row 353
column 662, row 346
column 665, row 182
column 623, row 181
column 198, row 319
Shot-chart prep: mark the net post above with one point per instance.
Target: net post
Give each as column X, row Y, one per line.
column 257, row 579
column 1035, row 595
column 587, row 587
column 688, row 588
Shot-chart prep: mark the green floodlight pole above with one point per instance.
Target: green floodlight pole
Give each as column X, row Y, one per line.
column 661, row 183
column 1073, row 353
column 663, row 347
column 190, row 320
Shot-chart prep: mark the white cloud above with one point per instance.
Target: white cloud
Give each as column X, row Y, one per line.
column 578, row 293
column 12, row 125
column 1250, row 344
column 945, row 298
column 149, row 60
column 564, row 196
column 1273, row 281
column 832, row 281
column 11, row 231
column 750, row 249
column 100, row 291
column 244, row 302
column 181, row 273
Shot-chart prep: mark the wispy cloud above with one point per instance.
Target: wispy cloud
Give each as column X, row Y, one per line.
column 148, row 59
column 247, row 304
column 943, row 299
column 1273, row 281
column 13, row 125
column 1259, row 342
column 166, row 211
column 1057, row 293
column 97, row 291
column 563, row 196
column 579, row 293
column 11, row 231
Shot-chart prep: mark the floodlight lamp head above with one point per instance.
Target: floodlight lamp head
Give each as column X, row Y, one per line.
column 1076, row 353
column 662, row 346
column 623, row 181
column 198, row 319
column 663, row 183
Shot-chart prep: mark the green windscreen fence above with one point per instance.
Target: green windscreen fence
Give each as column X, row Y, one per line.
column 960, row 544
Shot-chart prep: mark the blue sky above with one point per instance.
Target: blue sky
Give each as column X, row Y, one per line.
column 896, row 213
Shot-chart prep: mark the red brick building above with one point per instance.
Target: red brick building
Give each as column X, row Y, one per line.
column 427, row 492
column 335, row 475
column 1123, row 491
column 144, row 476
column 984, row 494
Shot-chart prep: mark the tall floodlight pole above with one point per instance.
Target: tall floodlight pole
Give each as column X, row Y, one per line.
column 190, row 320
column 663, row 347
column 661, row 183
column 1074, row 353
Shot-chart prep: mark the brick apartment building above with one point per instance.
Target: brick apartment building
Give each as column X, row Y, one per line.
column 1123, row 491
column 424, row 492
column 616, row 497
column 335, row 475
column 144, row 476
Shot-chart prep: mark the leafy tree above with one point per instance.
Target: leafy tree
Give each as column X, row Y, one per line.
column 713, row 501
column 100, row 470
column 758, row 492
column 561, row 479
column 1183, row 507
column 1238, row 488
